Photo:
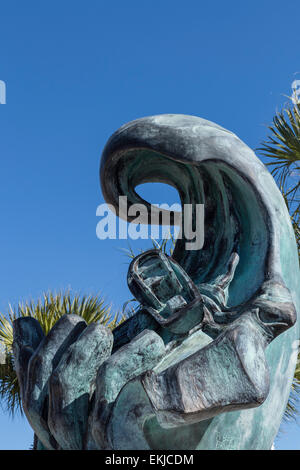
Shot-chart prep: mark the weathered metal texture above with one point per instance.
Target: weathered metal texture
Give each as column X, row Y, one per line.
column 244, row 214
column 140, row 355
column 72, row 381
column 43, row 361
column 196, row 367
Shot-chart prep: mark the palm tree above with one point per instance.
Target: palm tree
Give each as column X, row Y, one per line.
column 47, row 311
column 283, row 151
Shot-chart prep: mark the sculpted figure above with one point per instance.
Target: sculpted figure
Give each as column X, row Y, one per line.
column 208, row 360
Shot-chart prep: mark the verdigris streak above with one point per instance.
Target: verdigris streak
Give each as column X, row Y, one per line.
column 208, row 360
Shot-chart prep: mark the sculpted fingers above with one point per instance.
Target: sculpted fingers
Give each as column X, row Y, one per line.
column 71, row 385
column 27, row 334
column 133, row 359
column 41, row 366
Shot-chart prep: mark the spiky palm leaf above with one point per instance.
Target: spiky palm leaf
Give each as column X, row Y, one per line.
column 9, row 386
column 291, row 411
column 46, row 311
column 283, row 150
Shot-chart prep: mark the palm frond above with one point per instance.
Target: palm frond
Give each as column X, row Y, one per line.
column 9, row 387
column 292, row 409
column 165, row 245
column 283, row 150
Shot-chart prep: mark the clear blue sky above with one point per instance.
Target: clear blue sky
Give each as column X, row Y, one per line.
column 77, row 70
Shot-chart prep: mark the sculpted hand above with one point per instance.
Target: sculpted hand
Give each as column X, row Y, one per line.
column 56, row 375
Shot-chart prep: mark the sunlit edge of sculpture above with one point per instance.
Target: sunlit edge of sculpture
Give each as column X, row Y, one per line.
column 196, row 367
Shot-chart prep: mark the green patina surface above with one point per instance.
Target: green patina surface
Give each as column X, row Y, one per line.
column 208, row 361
